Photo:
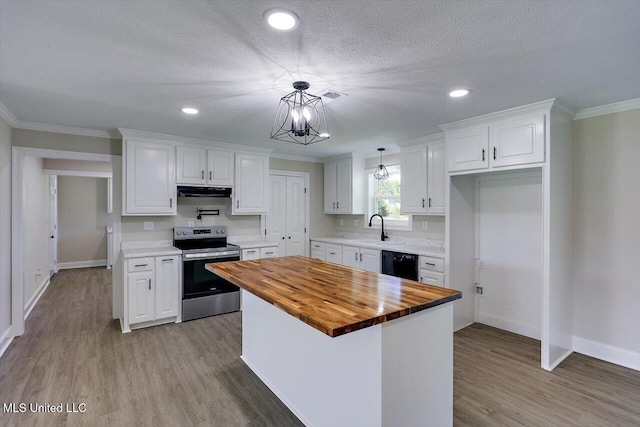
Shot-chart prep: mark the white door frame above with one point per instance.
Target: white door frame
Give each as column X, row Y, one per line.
column 53, row 224
column 307, row 198
column 18, row 198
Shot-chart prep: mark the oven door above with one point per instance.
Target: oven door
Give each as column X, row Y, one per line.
column 200, row 282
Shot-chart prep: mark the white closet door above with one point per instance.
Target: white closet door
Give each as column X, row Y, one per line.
column 277, row 216
column 509, row 248
column 296, row 216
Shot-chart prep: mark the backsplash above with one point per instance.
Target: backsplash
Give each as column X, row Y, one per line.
column 239, row 225
column 435, row 227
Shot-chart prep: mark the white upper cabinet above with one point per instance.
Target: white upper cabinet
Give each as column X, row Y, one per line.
column 251, row 190
column 423, row 174
column 199, row 166
column 344, row 186
column 330, row 187
column 149, row 184
column 191, row 165
column 468, row 149
column 436, row 178
column 517, row 142
column 505, row 140
column 413, row 175
column 220, row 167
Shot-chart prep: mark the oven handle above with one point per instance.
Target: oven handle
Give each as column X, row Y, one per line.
column 212, row 255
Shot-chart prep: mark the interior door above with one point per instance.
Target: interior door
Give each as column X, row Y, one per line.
column 277, row 216
column 53, row 225
column 296, row 216
column 510, row 253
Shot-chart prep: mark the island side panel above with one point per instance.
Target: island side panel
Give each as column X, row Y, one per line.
column 417, row 369
column 324, row 381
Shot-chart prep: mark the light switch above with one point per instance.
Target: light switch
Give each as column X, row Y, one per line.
column 148, row 225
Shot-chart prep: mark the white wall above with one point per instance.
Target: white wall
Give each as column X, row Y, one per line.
column 5, row 227
column 606, row 230
column 82, row 219
column 36, row 226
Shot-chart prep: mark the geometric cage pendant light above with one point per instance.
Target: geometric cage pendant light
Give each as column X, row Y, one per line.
column 381, row 171
column 300, row 117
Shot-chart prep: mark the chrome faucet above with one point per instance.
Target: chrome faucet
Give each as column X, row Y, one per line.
column 383, row 236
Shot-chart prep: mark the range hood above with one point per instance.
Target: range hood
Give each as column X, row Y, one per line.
column 184, row 191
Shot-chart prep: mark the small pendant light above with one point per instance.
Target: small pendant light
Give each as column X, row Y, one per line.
column 381, row 172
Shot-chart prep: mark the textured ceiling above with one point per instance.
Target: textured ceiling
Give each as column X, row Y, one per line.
column 133, row 64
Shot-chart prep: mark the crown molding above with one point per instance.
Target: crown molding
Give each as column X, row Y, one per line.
column 183, row 140
column 69, row 130
column 426, row 139
column 529, row 108
column 616, row 107
column 293, row 157
column 6, row 115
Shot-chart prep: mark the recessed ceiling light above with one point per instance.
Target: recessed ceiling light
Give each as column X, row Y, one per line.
column 458, row 93
column 188, row 110
column 282, row 19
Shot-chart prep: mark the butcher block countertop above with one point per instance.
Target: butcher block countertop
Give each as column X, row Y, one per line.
column 331, row 298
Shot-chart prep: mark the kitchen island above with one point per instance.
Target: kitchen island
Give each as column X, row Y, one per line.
column 346, row 347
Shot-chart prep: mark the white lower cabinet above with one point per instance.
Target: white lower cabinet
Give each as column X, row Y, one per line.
column 318, row 254
column 153, row 290
column 258, row 253
column 334, row 253
column 364, row 259
column 432, row 270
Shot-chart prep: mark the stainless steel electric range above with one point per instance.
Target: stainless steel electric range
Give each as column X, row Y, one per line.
column 203, row 293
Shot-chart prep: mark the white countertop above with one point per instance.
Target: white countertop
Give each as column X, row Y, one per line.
column 151, row 248
column 252, row 244
column 410, row 247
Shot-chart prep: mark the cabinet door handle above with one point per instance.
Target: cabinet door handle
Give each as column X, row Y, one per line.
column 495, row 153
column 360, row 257
column 168, row 259
column 202, row 175
column 210, row 175
column 429, row 201
column 283, row 238
column 423, row 202
column 251, row 252
column 268, row 253
column 149, row 284
column 141, row 265
column 332, row 253
column 337, row 205
column 237, row 203
column 483, row 154
column 171, row 202
column 289, row 237
column 356, row 254
column 430, row 263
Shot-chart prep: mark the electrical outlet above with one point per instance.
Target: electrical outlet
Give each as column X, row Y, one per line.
column 191, row 224
column 425, row 225
column 479, row 290
column 341, row 222
column 356, row 222
column 148, row 225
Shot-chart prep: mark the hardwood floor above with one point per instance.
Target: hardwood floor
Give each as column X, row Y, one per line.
column 191, row 373
column 498, row 381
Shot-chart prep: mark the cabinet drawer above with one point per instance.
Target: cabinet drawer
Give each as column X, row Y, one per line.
column 270, row 252
column 317, row 246
column 248, row 254
column 430, row 263
column 334, row 253
column 431, row 278
column 316, row 254
column 141, row 264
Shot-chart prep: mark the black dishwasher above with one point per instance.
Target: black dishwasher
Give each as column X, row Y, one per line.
column 400, row 265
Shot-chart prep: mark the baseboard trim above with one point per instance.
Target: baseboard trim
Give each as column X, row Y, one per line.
column 5, row 340
column 509, row 325
column 82, row 264
column 35, row 297
column 608, row 353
